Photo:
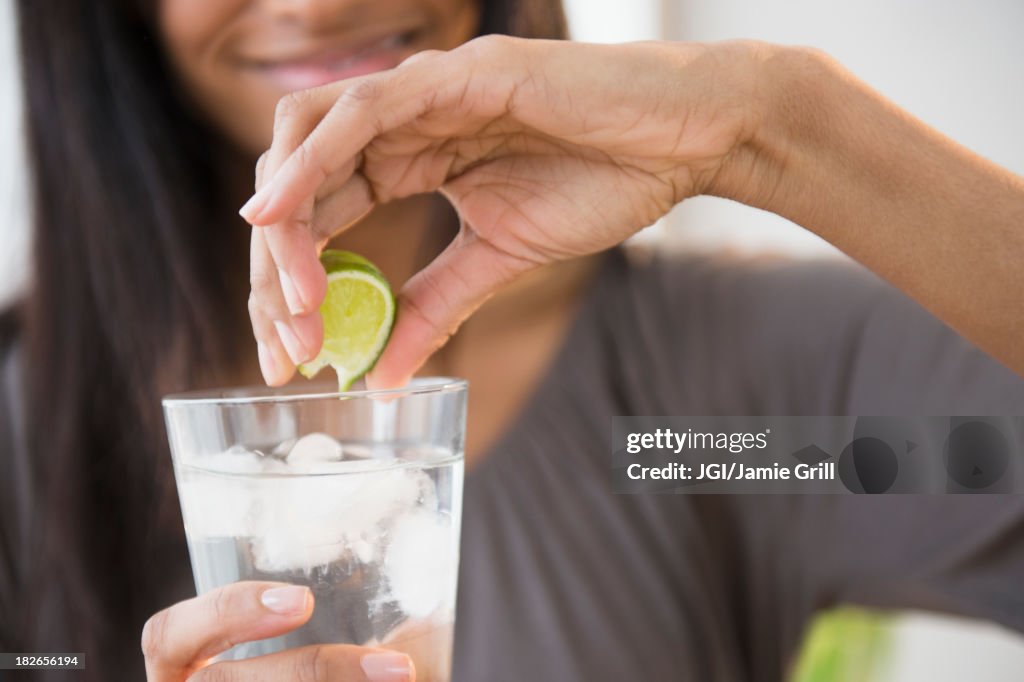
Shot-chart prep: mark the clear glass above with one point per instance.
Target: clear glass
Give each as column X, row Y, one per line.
column 357, row 495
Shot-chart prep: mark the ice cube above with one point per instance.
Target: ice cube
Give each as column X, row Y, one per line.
column 215, row 502
column 312, row 520
column 282, row 448
column 235, row 460
column 314, row 448
column 274, row 465
column 418, row 564
column 358, row 451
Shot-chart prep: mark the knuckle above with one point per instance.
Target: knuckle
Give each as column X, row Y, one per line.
column 288, row 107
column 153, row 634
column 421, row 56
column 309, row 158
column 432, row 282
column 262, row 284
column 261, row 164
column 493, row 44
column 416, row 309
column 312, row 665
column 223, row 603
column 306, row 156
column 253, row 306
column 360, row 92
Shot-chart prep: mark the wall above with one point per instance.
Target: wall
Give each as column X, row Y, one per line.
column 13, row 200
column 957, row 64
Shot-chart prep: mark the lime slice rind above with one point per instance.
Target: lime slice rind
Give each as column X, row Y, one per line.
column 358, row 313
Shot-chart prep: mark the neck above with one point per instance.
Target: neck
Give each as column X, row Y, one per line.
column 402, row 236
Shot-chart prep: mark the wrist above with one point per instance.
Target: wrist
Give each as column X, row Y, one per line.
column 788, row 92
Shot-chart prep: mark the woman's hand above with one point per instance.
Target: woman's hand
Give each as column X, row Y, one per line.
column 550, row 150
column 547, row 149
column 179, row 641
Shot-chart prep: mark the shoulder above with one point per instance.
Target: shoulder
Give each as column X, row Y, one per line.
column 821, row 335
column 780, row 286
column 772, row 295
column 777, row 304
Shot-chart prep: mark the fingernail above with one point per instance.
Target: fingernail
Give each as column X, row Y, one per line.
column 290, row 600
column 296, row 306
column 387, row 666
column 257, row 202
column 267, row 364
column 293, row 346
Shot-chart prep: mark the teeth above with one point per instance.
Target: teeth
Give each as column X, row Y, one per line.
column 390, row 42
column 345, row 63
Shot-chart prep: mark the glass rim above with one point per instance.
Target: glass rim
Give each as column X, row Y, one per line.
column 247, row 395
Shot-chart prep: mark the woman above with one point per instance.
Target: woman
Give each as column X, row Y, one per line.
column 144, row 123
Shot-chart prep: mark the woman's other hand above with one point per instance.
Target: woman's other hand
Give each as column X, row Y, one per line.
column 547, row 149
column 179, row 641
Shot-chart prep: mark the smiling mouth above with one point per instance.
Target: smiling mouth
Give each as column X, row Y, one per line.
column 329, row 65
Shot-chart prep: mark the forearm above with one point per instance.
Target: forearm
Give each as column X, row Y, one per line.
column 939, row 222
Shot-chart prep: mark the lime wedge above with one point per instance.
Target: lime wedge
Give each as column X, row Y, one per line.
column 358, row 314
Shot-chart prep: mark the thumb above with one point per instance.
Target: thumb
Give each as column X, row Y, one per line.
column 435, row 301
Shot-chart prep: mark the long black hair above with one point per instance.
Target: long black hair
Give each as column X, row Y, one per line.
column 136, row 292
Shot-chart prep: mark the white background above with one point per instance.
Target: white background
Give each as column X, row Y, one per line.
column 958, row 64
column 13, row 201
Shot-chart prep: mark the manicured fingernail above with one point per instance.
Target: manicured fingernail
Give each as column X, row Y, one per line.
column 387, row 666
column 289, row 600
column 293, row 346
column 267, row 363
column 296, row 306
column 257, row 202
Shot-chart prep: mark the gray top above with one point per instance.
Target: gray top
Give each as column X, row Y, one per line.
column 562, row 580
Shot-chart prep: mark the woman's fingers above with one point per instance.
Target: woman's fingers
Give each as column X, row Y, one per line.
column 369, row 106
column 325, row 663
column 283, row 340
column 297, row 115
column 317, row 146
column 350, row 124
column 437, row 299
column 311, row 161
column 181, row 638
column 291, row 246
column 294, row 252
column 273, row 358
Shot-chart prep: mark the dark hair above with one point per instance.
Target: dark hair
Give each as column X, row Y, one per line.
column 136, row 289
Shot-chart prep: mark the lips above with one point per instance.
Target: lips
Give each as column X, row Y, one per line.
column 328, row 65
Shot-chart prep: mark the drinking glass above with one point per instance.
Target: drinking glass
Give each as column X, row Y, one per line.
column 357, row 495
